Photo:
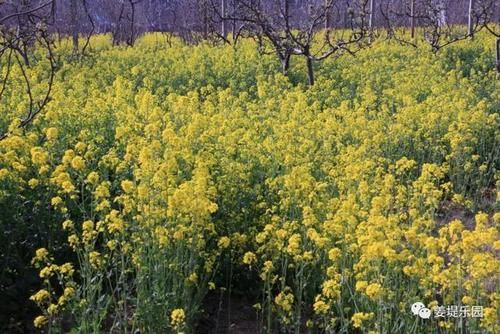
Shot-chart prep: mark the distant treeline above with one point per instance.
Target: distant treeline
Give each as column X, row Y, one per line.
column 180, row 16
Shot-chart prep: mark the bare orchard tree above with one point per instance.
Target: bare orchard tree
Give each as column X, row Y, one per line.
column 23, row 27
column 431, row 18
column 75, row 19
column 125, row 24
column 293, row 30
column 470, row 19
column 74, row 24
column 223, row 8
column 213, row 15
column 498, row 53
column 492, row 28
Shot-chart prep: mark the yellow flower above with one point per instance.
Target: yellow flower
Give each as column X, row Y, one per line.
column 358, row 318
column 284, row 301
column 46, row 272
column 62, row 300
column 41, row 254
column 334, row 254
column 33, row 183
column 115, row 223
column 374, row 290
column 249, row 258
column 331, row 289
column 67, row 224
column 51, row 133
column 102, row 190
column 224, row 242
column 267, row 268
column 142, row 191
column 69, row 291
column 39, row 156
column 481, row 219
column 445, row 324
column 68, row 187
column 93, row 178
column 73, row 240
column 87, row 230
column 41, row 296
column 4, row 173
column 281, row 234
column 127, row 186
column 193, row 278
column 95, row 259
column 80, row 147
column 467, row 300
column 103, row 206
column 178, row 235
column 111, row 244
column 78, row 163
column 496, row 217
column 40, row 321
column 52, row 309
column 66, row 269
column 294, row 244
column 490, row 319
column 177, row 318
column 68, row 157
column 320, row 307
column 361, row 285
column 56, row 201
column 404, row 164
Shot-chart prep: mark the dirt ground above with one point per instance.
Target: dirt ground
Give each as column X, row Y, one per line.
column 226, row 314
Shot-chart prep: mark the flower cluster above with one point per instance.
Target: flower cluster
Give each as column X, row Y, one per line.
column 163, row 176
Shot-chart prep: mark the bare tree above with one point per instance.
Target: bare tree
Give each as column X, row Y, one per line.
column 204, row 8
column 492, row 28
column 92, row 26
column 125, row 24
column 74, row 25
column 223, row 22
column 412, row 18
column 432, row 18
column 293, row 33
column 21, row 29
column 470, row 23
column 370, row 20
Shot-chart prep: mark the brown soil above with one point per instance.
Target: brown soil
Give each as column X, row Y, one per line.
column 226, row 314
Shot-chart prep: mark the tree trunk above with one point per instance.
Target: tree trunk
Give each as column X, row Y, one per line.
column 327, row 16
column 498, row 55
column 205, row 20
column 370, row 20
column 285, row 64
column 412, row 18
column 53, row 12
column 74, row 25
column 25, row 54
column 233, row 21
column 442, row 13
column 131, row 40
column 117, row 31
column 286, row 9
column 310, row 70
column 223, row 14
column 471, row 21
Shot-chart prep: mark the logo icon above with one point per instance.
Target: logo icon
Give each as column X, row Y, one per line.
column 419, row 309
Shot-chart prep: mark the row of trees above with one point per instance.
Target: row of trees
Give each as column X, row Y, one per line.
column 312, row 30
column 126, row 19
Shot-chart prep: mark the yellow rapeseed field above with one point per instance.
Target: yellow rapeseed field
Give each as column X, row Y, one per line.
column 161, row 175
